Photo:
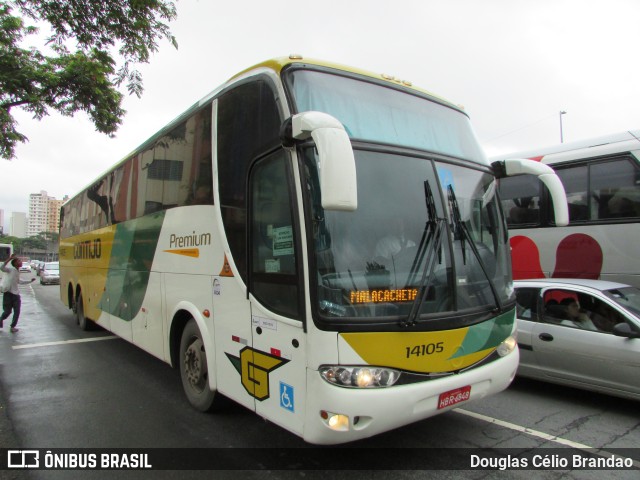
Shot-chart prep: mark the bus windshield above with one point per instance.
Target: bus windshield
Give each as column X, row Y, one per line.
column 393, row 254
column 370, row 112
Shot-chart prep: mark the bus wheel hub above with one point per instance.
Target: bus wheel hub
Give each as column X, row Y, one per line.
column 195, row 364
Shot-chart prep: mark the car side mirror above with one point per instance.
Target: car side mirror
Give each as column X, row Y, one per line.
column 624, row 330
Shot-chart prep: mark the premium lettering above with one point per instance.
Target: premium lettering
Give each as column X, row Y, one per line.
column 193, row 240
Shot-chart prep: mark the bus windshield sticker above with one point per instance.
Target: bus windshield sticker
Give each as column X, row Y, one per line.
column 446, row 177
column 282, row 241
column 272, row 265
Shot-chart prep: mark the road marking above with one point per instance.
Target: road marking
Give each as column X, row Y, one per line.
column 64, row 342
column 537, row 433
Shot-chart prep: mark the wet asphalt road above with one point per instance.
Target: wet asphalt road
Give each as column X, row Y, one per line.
column 58, row 390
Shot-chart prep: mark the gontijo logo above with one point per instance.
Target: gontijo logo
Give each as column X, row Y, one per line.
column 88, row 249
column 254, row 367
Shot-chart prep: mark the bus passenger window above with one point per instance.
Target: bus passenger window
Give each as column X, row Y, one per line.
column 574, row 179
column 615, row 189
column 520, row 198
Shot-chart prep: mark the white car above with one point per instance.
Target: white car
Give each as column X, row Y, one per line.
column 581, row 333
column 50, row 273
column 25, row 268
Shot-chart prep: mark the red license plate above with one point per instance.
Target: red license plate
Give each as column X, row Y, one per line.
column 454, row 396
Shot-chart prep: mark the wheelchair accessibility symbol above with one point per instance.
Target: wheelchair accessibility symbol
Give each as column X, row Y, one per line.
column 286, row 397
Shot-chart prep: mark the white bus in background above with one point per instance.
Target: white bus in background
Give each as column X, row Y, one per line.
column 6, row 250
column 601, row 177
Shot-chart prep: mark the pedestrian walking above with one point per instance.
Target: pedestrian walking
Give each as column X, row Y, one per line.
column 11, row 300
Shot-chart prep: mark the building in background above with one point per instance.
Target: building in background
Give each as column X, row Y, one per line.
column 18, row 224
column 38, row 213
column 1, row 221
column 53, row 221
column 44, row 213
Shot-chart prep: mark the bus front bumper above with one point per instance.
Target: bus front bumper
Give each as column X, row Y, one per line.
column 337, row 415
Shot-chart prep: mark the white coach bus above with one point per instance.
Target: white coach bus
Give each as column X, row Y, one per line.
column 320, row 244
column 601, row 177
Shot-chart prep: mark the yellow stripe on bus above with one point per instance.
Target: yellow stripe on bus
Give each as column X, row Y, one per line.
column 187, row 252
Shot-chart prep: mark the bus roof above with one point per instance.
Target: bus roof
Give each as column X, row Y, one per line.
column 280, row 63
column 593, row 147
column 276, row 65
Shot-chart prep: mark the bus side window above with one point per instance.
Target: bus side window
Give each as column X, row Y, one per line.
column 615, row 189
column 575, row 178
column 274, row 277
column 520, row 198
column 248, row 126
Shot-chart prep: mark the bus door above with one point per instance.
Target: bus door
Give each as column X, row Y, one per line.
column 279, row 347
column 233, row 342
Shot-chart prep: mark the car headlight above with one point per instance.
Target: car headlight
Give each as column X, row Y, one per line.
column 359, row 377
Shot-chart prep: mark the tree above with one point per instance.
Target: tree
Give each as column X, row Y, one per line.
column 83, row 77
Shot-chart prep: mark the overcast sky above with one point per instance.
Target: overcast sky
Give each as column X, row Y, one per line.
column 513, row 64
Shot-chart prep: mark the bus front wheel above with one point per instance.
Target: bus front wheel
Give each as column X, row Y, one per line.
column 194, row 369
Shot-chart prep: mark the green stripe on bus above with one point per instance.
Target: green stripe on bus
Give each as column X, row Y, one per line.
column 134, row 247
column 485, row 335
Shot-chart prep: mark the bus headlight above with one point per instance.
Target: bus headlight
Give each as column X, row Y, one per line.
column 508, row 346
column 359, row 377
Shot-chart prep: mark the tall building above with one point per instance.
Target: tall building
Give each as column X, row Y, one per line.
column 53, row 221
column 44, row 213
column 1, row 221
column 18, row 224
column 38, row 213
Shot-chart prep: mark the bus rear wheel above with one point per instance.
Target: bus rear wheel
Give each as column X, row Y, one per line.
column 194, row 369
column 83, row 321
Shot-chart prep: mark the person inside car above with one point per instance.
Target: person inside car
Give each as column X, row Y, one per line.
column 577, row 318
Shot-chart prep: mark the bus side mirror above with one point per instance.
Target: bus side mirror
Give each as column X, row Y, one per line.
column 337, row 165
column 519, row 166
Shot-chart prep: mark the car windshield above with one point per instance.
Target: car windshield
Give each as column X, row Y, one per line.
column 628, row 297
column 52, row 266
column 421, row 227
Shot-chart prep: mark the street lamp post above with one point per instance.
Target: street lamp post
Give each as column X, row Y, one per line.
column 562, row 112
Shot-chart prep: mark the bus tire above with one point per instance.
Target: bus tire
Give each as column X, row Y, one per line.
column 83, row 321
column 194, row 369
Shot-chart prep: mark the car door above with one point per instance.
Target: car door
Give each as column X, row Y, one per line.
column 594, row 358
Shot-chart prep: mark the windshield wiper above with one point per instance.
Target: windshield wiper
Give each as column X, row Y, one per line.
column 427, row 234
column 430, row 248
column 462, row 232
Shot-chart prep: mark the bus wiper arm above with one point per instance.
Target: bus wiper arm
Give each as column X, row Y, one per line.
column 427, row 234
column 461, row 228
column 432, row 253
column 430, row 249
